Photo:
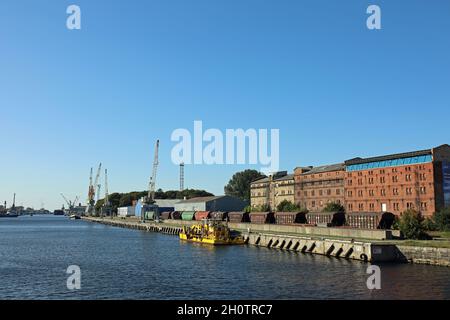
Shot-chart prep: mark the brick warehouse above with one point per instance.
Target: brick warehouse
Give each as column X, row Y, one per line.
column 317, row 186
column 395, row 183
column 271, row 190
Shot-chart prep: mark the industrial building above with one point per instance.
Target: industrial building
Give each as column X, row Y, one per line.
column 315, row 187
column 160, row 206
column 417, row 180
column 393, row 183
column 272, row 190
column 213, row 203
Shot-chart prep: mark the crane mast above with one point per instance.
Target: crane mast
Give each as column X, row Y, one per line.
column 152, row 184
column 106, row 189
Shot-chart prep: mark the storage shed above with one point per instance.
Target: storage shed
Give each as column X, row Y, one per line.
column 213, row 203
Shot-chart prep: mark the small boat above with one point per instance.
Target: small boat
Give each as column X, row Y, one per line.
column 74, row 217
column 213, row 232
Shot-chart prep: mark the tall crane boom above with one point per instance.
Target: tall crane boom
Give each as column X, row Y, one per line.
column 106, row 188
column 97, row 179
column 67, row 201
column 152, row 184
column 91, row 189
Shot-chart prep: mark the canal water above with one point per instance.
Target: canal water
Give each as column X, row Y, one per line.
column 116, row 263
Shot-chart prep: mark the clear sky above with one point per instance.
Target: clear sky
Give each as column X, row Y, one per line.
column 137, row 70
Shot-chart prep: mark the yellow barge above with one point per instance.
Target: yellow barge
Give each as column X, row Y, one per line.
column 211, row 232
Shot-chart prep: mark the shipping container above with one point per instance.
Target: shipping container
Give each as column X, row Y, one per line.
column 290, row 217
column 219, row 215
column 150, row 215
column 326, row 219
column 262, row 217
column 370, row 220
column 125, row 211
column 200, row 215
column 188, row 215
column 175, row 215
column 238, row 217
column 166, row 215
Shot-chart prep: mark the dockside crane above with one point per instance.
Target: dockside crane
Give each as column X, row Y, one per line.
column 150, row 199
column 106, row 208
column 97, row 184
column 70, row 204
column 90, row 210
column 152, row 184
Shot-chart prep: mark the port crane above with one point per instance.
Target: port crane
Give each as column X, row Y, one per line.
column 152, row 184
column 70, row 204
column 91, row 193
column 106, row 209
column 150, row 199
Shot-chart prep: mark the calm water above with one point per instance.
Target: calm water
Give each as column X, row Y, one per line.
column 128, row 264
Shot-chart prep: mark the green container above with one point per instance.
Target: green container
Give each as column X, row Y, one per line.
column 188, row 215
column 149, row 215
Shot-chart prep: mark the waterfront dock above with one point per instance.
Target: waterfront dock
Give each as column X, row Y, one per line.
column 282, row 238
column 355, row 244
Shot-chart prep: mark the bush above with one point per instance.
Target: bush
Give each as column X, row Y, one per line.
column 411, row 225
column 429, row 224
column 334, row 207
column 442, row 219
column 263, row 208
column 287, row 206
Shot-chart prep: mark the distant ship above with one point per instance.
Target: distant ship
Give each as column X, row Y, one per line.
column 9, row 214
column 58, row 212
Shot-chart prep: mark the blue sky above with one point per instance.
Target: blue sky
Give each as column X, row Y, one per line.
column 137, row 70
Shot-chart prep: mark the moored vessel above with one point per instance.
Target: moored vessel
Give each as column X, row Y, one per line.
column 211, row 232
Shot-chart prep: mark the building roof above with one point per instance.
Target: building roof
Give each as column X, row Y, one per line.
column 389, row 157
column 261, row 180
column 286, row 177
column 202, row 199
column 326, row 168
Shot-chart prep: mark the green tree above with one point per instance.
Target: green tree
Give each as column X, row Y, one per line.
column 334, row 207
column 411, row 225
column 287, row 206
column 239, row 184
column 442, row 219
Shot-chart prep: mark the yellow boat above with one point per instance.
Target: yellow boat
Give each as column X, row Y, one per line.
column 210, row 232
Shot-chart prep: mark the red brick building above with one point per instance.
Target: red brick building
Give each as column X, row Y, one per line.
column 315, row 187
column 417, row 180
